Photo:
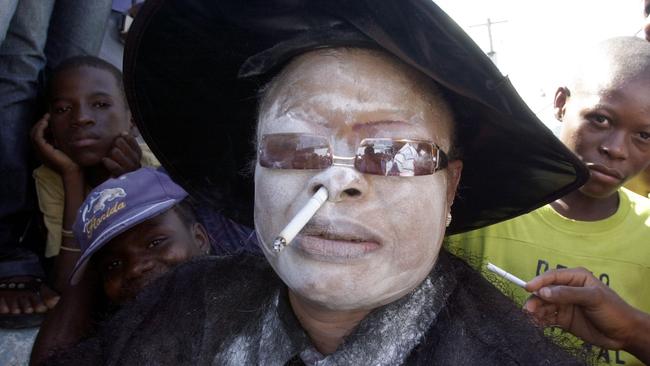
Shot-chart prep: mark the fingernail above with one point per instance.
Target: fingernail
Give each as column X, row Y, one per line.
column 545, row 292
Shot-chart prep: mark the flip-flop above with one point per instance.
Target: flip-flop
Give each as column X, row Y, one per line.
column 19, row 321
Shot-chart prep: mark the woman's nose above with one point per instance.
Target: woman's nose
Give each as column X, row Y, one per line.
column 342, row 183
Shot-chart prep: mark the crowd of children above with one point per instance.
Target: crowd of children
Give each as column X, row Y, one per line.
column 114, row 221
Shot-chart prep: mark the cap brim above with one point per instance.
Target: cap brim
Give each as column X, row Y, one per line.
column 115, row 229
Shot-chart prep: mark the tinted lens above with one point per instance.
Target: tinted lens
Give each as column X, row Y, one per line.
column 294, row 151
column 402, row 158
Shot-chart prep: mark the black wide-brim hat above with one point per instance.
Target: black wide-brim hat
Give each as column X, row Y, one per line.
column 193, row 70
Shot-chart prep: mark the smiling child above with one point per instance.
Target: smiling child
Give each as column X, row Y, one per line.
column 131, row 230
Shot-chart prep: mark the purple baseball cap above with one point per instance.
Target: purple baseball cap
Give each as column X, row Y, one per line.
column 119, row 204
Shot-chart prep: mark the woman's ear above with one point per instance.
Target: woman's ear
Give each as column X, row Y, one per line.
column 559, row 103
column 454, row 170
column 201, row 238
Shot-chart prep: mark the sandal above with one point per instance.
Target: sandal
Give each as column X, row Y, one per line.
column 23, row 320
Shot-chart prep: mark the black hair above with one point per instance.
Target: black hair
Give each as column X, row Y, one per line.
column 186, row 212
column 77, row 62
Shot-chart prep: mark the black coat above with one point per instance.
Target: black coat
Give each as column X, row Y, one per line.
column 234, row 310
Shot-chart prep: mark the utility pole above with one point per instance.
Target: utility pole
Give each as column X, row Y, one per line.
column 488, row 24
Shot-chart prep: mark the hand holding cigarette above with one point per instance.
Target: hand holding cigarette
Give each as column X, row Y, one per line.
column 578, row 302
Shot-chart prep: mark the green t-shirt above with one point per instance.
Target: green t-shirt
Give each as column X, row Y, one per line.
column 616, row 250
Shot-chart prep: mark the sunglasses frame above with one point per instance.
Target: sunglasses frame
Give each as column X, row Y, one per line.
column 440, row 158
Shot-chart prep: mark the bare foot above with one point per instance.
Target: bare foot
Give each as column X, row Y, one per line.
column 25, row 295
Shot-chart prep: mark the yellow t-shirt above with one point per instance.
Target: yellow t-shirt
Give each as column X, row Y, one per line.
column 640, row 184
column 616, row 250
column 50, row 193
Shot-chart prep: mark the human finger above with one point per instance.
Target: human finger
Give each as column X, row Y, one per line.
column 543, row 312
column 566, row 276
column 119, row 155
column 547, row 315
column 568, row 295
column 133, row 143
column 133, row 154
column 38, row 131
column 113, row 167
column 533, row 303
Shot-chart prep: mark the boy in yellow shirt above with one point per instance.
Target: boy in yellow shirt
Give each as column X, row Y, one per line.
column 86, row 137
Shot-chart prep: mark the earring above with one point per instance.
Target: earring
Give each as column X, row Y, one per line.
column 448, row 219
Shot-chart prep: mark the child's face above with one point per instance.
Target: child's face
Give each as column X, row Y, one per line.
column 134, row 259
column 87, row 112
column 608, row 127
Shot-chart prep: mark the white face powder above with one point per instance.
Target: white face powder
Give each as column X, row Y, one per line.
column 376, row 237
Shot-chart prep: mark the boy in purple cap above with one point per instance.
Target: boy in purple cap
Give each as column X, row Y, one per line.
column 131, row 230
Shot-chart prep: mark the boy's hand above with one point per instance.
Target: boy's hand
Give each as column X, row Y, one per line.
column 49, row 155
column 124, row 156
column 580, row 303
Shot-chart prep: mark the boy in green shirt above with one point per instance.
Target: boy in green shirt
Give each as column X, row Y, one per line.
column 601, row 226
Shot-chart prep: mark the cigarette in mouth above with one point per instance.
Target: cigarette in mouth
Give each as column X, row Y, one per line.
column 300, row 220
column 508, row 276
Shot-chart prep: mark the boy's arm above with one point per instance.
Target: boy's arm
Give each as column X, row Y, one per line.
column 580, row 303
column 69, row 322
column 73, row 183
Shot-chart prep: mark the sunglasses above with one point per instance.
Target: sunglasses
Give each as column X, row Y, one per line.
column 376, row 156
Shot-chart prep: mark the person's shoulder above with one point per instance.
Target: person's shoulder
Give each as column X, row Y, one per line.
column 43, row 174
column 640, row 205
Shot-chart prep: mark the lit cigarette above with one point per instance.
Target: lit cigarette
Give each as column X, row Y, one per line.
column 300, row 220
column 508, row 276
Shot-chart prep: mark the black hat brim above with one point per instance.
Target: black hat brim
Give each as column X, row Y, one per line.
column 193, row 70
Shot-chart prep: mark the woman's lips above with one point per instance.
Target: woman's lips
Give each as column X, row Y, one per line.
column 335, row 246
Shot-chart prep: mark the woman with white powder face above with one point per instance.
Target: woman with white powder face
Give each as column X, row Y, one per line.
column 362, row 100
column 376, row 237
